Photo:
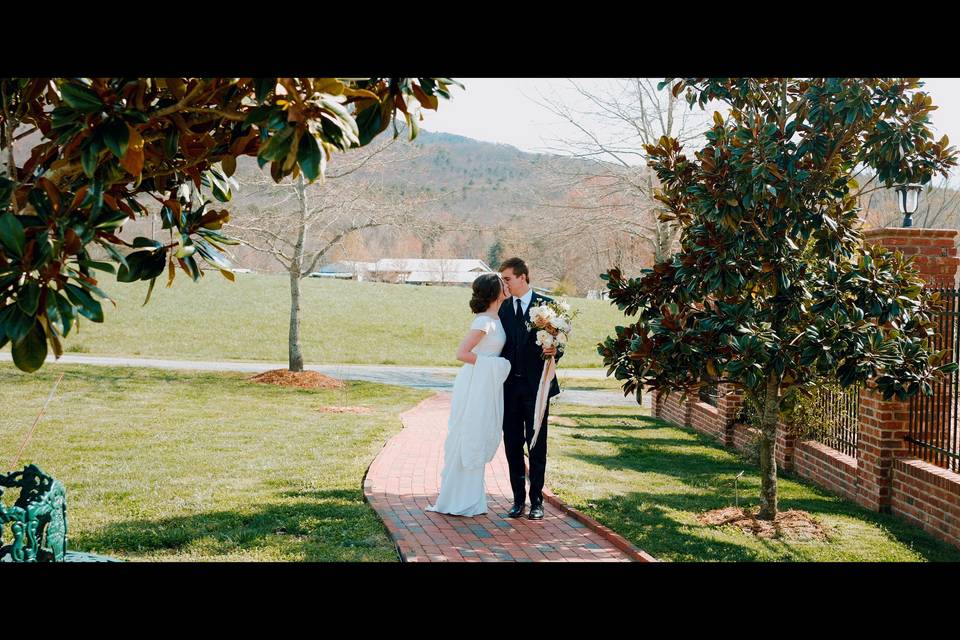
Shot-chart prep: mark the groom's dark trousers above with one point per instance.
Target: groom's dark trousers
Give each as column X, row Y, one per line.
column 518, row 408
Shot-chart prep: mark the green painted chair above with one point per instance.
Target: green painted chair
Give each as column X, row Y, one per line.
column 38, row 520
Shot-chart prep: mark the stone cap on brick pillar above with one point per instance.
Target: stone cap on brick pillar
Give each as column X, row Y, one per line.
column 934, row 251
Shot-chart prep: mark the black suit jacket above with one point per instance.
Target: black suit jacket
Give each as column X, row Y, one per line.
column 530, row 353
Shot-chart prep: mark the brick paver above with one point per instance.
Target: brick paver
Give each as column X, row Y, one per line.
column 405, row 478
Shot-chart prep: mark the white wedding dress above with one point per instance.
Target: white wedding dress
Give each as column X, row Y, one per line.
column 475, row 427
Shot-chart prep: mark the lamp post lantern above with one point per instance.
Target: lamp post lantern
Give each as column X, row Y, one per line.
column 908, row 199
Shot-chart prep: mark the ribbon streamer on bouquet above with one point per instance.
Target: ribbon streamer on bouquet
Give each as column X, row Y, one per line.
column 543, row 396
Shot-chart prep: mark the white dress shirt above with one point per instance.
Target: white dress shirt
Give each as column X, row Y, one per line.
column 524, row 300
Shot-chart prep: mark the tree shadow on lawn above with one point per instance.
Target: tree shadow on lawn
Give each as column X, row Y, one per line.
column 646, row 419
column 643, row 516
column 327, row 526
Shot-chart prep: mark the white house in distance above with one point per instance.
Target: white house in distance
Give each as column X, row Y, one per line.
column 429, row 271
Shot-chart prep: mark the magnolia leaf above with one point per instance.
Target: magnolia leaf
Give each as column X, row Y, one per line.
column 86, row 305
column 29, row 297
column 51, row 335
column 132, row 160
column 309, row 157
column 229, row 165
column 80, row 97
column 116, row 135
column 30, row 353
column 11, row 234
column 153, row 281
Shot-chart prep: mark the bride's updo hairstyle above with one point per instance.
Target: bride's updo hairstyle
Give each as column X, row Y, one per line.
column 486, row 289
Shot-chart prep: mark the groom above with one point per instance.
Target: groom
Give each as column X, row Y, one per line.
column 520, row 389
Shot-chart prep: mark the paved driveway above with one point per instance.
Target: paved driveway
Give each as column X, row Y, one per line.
column 433, row 378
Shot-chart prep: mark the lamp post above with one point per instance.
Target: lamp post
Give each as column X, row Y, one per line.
column 908, row 199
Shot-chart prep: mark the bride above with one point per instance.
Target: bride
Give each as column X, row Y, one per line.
column 475, row 427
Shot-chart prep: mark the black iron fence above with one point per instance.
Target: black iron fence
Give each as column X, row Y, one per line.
column 933, row 434
column 837, row 414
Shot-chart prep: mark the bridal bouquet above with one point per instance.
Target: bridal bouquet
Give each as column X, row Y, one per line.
column 553, row 322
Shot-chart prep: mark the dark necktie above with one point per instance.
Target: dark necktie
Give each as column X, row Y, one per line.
column 519, row 339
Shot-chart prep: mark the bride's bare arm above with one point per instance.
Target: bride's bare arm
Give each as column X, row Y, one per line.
column 473, row 337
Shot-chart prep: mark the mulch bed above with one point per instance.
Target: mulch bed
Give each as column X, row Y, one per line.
column 362, row 410
column 792, row 524
column 298, row 379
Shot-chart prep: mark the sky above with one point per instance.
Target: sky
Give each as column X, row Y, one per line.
column 506, row 110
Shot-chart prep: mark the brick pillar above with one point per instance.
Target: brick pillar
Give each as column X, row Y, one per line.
column 655, row 402
column 884, row 424
column 729, row 401
column 883, row 427
column 934, row 250
column 786, row 444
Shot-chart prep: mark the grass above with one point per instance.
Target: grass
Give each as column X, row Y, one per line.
column 648, row 480
column 589, row 384
column 176, row 465
column 342, row 322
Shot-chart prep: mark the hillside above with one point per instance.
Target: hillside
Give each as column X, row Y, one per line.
column 481, row 181
column 491, row 195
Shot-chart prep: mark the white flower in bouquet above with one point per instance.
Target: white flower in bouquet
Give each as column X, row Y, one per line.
column 544, row 339
column 561, row 339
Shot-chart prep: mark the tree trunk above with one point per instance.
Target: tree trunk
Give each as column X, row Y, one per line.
column 296, row 355
column 296, row 269
column 9, row 129
column 768, row 443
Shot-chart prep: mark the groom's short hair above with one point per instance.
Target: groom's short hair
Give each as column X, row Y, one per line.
column 519, row 267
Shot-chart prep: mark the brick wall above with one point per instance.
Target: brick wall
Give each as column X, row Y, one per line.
column 927, row 496
column 708, row 420
column 671, row 409
column 741, row 436
column 826, row 467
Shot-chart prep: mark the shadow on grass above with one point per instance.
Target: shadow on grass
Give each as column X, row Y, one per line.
column 325, row 526
column 646, row 419
column 704, row 480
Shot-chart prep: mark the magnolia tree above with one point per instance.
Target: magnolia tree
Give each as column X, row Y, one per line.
column 772, row 288
column 107, row 143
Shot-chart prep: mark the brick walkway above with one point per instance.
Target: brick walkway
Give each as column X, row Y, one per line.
column 405, row 478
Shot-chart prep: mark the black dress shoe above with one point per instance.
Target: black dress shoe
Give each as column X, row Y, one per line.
column 536, row 512
column 516, row 510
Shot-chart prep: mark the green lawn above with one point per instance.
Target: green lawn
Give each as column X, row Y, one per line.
column 176, row 465
column 648, row 480
column 588, row 384
column 342, row 321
